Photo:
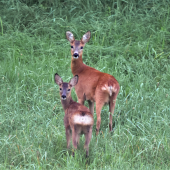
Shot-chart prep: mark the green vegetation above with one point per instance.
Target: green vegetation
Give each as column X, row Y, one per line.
column 130, row 40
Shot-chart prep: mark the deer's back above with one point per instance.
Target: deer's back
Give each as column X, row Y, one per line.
column 89, row 80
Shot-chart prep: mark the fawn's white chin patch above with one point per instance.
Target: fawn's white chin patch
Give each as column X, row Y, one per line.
column 75, row 57
column 63, row 98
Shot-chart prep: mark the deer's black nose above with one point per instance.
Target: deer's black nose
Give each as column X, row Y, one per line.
column 76, row 55
column 63, row 97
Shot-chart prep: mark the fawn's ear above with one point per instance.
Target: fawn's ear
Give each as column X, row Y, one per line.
column 70, row 36
column 74, row 80
column 58, row 79
column 86, row 37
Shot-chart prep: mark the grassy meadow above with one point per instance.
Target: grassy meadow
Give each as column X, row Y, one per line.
column 129, row 40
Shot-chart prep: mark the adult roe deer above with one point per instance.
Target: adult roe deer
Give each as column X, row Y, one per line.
column 93, row 85
column 78, row 118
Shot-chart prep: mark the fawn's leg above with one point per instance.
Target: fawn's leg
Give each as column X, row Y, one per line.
column 68, row 136
column 74, row 137
column 88, row 138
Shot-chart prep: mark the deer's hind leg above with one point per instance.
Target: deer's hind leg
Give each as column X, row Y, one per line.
column 112, row 103
column 100, row 101
column 91, row 106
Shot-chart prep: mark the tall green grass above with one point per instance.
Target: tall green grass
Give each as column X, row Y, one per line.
column 129, row 40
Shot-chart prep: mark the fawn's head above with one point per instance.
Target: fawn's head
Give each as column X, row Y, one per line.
column 65, row 88
column 77, row 45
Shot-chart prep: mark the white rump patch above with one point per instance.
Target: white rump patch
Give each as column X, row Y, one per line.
column 110, row 89
column 114, row 89
column 83, row 120
column 105, row 87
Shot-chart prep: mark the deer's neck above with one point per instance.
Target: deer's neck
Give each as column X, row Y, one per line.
column 66, row 103
column 77, row 65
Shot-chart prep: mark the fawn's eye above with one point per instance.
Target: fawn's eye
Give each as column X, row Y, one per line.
column 68, row 90
column 71, row 46
column 60, row 88
column 81, row 47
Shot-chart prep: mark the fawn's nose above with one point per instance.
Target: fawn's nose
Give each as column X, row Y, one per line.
column 63, row 97
column 75, row 55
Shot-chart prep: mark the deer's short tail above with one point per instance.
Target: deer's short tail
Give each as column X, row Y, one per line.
column 110, row 88
column 83, row 118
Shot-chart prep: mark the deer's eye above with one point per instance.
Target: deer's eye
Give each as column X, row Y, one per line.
column 60, row 89
column 81, row 47
column 68, row 90
column 71, row 46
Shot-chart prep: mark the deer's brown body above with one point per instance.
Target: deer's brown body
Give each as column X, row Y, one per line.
column 78, row 118
column 93, row 85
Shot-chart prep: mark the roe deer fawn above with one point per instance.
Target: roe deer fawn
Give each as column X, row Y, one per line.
column 78, row 118
column 93, row 85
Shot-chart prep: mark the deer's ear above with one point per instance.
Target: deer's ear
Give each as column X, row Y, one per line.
column 86, row 37
column 70, row 36
column 74, row 80
column 58, row 79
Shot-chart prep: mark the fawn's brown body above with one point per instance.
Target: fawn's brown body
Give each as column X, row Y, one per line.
column 78, row 118
column 93, row 85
